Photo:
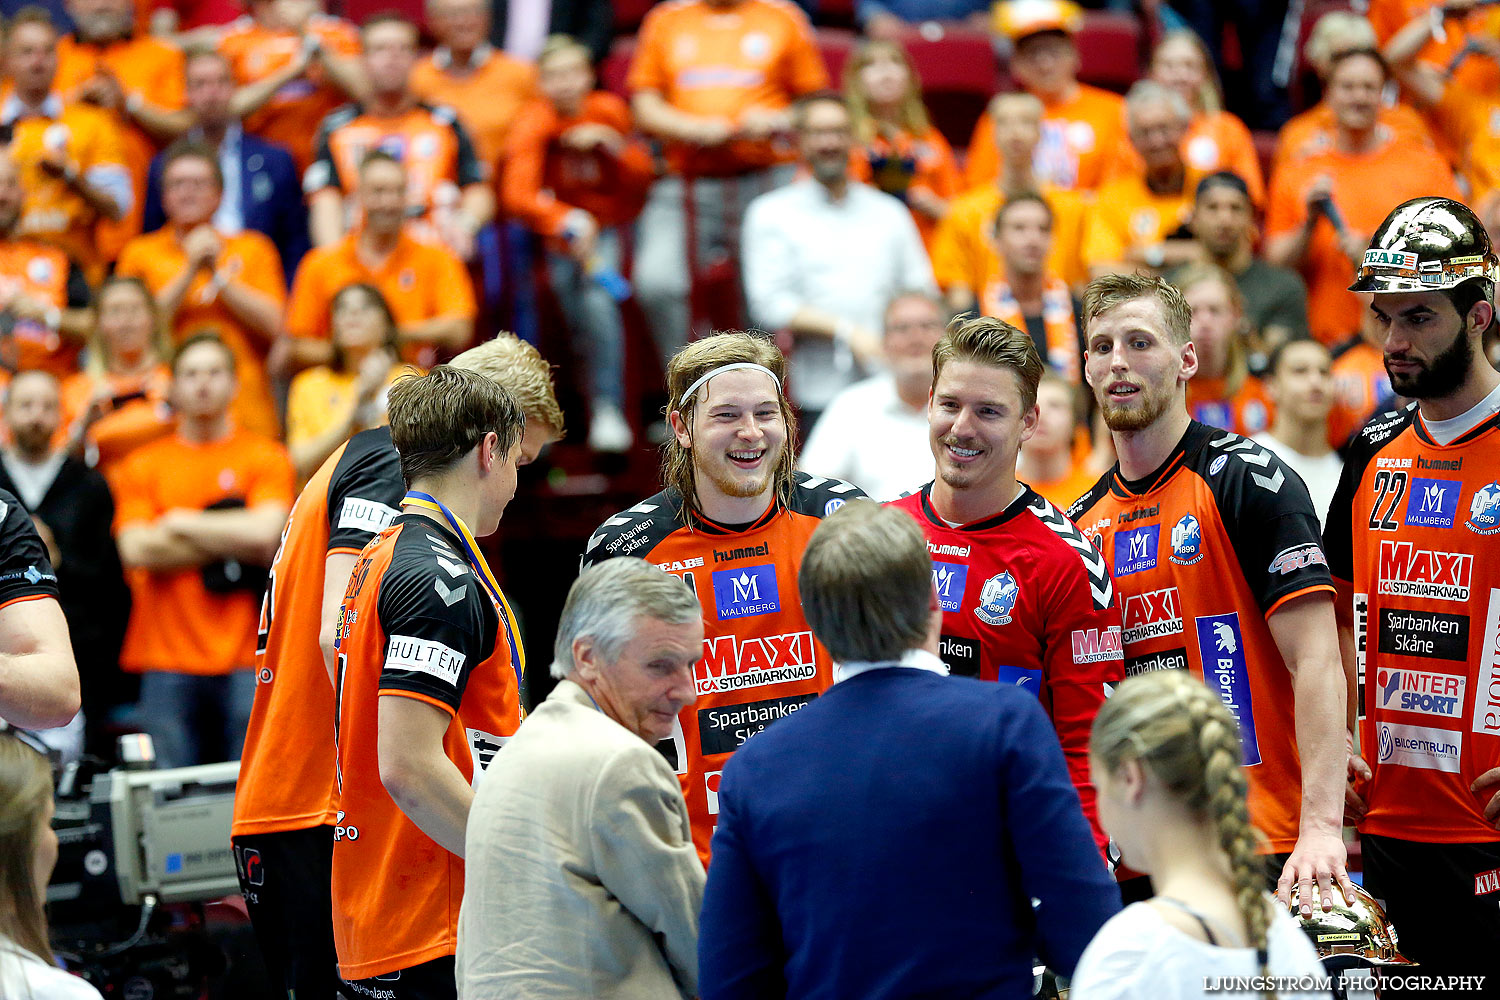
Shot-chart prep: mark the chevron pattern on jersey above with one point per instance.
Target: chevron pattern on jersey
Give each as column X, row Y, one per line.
column 1100, row 584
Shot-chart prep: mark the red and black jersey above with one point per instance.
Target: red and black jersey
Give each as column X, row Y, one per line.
column 1028, row 601
column 1415, row 528
column 760, row 660
column 415, row 623
column 25, row 573
column 286, row 773
column 1203, row 551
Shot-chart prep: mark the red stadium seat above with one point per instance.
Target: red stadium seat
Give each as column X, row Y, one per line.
column 1110, row 48
column 358, row 10
column 615, row 65
column 959, row 74
column 836, row 45
column 629, row 14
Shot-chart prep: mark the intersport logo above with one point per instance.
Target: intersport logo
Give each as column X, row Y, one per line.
column 728, row 665
column 1407, row 571
column 1153, row 613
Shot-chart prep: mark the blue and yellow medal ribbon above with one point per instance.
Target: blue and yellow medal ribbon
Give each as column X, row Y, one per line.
column 482, row 570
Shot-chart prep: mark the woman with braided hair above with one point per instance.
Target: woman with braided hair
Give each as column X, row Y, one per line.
column 1165, row 756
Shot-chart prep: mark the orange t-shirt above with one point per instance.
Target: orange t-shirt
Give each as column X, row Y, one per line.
column 1470, row 122
column 145, row 66
column 1063, row 492
column 1248, row 411
column 721, row 61
column 488, row 100
column 415, row 623
column 286, row 774
column 39, row 272
column 1061, row 353
column 53, row 212
column 1128, row 214
column 249, row 257
column 291, row 117
column 543, row 179
column 1365, row 188
column 177, row 623
column 1079, row 138
column 1213, row 142
column 1361, row 389
column 1312, row 132
column 420, row 281
column 904, row 162
column 1475, row 73
column 963, row 247
column 135, row 412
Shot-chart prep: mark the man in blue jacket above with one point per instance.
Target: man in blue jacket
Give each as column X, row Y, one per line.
column 906, row 834
column 262, row 190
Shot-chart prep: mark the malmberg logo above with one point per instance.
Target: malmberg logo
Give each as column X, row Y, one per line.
column 728, row 665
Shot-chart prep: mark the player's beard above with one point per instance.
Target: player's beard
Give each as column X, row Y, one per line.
column 1151, row 404
column 732, row 482
column 1440, row 376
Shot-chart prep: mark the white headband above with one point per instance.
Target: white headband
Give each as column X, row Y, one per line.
column 736, row 367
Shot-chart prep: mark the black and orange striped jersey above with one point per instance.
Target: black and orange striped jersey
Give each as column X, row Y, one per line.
column 760, row 660
column 1203, row 551
column 1415, row 528
column 1028, row 601
column 415, row 623
column 430, row 142
column 286, row 773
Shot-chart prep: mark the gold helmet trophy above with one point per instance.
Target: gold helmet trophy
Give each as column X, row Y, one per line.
column 1352, row 936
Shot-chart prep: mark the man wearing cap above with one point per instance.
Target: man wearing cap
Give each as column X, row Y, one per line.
column 732, row 522
column 1083, row 124
column 1413, row 542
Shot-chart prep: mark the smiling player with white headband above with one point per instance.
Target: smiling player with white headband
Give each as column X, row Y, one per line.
column 732, row 521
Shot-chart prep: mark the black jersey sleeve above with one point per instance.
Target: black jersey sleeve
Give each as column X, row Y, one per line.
column 819, row 496
column 1338, row 532
column 636, row 530
column 365, row 491
column 323, row 171
column 470, row 168
column 1269, row 517
column 24, row 569
column 438, row 621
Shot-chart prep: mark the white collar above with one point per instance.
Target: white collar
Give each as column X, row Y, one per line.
column 917, row 659
column 1447, row 431
column 52, row 107
column 442, row 56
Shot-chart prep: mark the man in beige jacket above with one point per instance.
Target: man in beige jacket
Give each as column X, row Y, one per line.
column 581, row 877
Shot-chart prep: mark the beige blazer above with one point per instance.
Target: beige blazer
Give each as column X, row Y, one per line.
column 580, row 875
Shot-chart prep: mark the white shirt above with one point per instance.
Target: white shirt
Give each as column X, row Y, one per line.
column 1137, row 954
column 1320, row 474
column 526, row 25
column 800, row 248
column 23, row 976
column 912, row 659
column 869, row 437
column 1446, row 431
column 32, row 481
column 229, row 217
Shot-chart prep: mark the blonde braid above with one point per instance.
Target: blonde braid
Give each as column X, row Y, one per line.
column 1224, row 787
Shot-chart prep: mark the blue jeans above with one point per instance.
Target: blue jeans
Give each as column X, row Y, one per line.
column 196, row 720
column 593, row 318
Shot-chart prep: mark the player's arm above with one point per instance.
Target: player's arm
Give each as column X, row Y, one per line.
column 416, row 772
column 38, row 678
column 249, row 533
column 1307, row 637
column 1424, row 84
column 152, row 545
column 656, row 117
column 336, row 569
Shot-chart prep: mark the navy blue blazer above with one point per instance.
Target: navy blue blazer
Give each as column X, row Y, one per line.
column 270, row 198
column 888, row 840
